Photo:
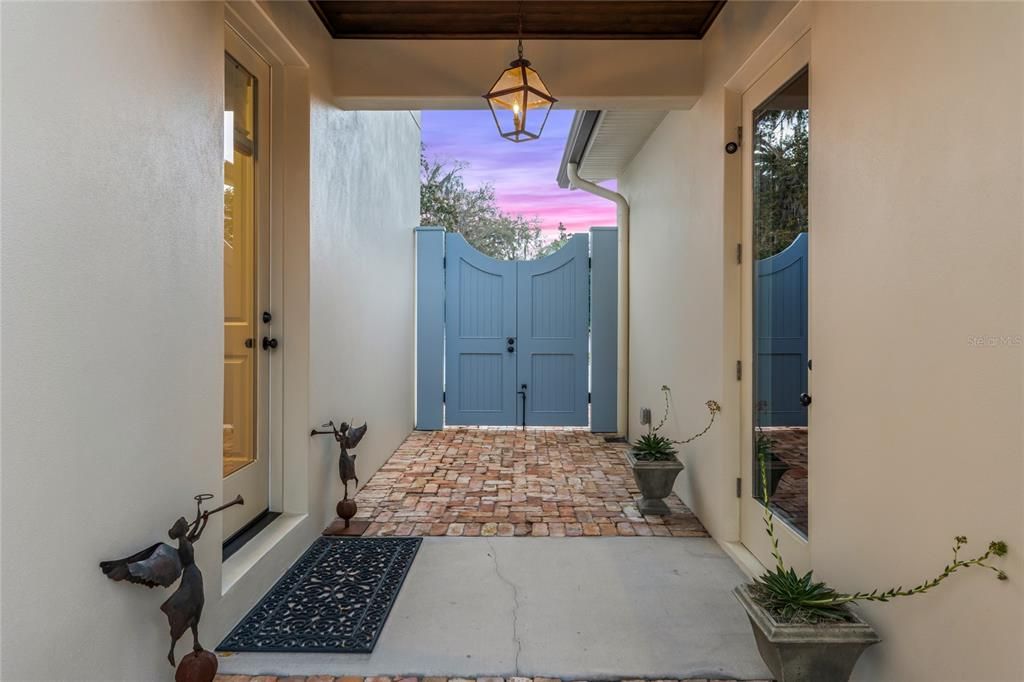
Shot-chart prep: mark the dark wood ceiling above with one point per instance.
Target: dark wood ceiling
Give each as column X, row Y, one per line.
column 550, row 19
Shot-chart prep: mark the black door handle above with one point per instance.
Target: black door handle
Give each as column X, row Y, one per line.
column 522, row 392
column 269, row 344
column 511, row 349
column 248, row 343
column 805, row 399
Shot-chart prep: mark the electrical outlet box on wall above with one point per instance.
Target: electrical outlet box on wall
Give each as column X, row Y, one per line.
column 645, row 415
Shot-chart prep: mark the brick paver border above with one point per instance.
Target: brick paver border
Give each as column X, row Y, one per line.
column 329, row 678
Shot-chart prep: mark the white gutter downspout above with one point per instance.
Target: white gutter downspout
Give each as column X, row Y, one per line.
column 622, row 218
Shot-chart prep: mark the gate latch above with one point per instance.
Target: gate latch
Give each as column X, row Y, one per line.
column 522, row 392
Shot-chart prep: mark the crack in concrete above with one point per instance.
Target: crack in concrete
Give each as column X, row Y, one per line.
column 515, row 605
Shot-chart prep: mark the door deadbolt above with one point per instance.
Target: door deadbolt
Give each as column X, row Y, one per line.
column 267, row 317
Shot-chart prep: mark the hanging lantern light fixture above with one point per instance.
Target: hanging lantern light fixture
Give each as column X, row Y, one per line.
column 519, row 100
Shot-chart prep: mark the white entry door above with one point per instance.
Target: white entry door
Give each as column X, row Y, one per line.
column 248, row 320
column 776, row 378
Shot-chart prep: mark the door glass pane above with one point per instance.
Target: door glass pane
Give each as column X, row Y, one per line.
column 781, row 363
column 239, row 268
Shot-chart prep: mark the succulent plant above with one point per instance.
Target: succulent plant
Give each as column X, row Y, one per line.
column 651, row 447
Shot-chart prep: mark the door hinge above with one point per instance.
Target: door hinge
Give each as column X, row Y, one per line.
column 739, row 487
column 444, row 396
column 739, row 135
column 444, row 262
column 739, row 254
column 739, row 370
column 589, row 397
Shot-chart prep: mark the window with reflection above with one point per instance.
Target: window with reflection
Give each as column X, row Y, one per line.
column 781, row 363
column 239, row 267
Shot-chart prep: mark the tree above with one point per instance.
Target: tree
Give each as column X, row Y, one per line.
column 446, row 202
column 780, row 179
column 556, row 243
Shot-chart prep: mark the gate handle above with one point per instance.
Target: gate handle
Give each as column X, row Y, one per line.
column 805, row 399
column 522, row 392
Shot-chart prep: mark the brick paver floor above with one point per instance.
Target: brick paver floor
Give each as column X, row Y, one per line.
column 789, row 443
column 329, row 678
column 505, row 482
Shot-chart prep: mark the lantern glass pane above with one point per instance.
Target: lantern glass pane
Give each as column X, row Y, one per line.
column 510, row 78
column 538, row 109
column 509, row 118
column 512, row 100
column 534, row 81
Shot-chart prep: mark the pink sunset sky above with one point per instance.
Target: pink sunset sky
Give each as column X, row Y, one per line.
column 524, row 175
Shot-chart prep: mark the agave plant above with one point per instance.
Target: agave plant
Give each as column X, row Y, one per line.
column 792, row 598
column 795, row 599
column 651, row 447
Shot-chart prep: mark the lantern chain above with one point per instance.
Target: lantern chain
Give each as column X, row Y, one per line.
column 521, row 4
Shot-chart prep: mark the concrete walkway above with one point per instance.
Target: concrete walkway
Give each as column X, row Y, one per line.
column 573, row 608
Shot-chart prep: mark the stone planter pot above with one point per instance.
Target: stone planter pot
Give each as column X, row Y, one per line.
column 655, row 480
column 806, row 653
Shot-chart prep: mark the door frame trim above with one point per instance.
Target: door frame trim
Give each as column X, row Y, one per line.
column 266, row 440
column 290, row 228
column 794, row 547
column 787, row 33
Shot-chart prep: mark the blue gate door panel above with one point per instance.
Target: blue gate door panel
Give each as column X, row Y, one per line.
column 552, row 344
column 780, row 318
column 480, row 317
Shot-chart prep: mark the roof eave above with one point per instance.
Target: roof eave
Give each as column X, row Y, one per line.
column 583, row 124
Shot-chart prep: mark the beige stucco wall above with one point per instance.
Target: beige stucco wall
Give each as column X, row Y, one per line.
column 917, row 213
column 112, row 313
column 917, row 172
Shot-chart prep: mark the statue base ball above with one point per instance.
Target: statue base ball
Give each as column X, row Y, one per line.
column 196, row 666
column 345, row 526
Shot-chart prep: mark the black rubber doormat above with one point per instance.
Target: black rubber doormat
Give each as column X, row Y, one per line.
column 336, row 598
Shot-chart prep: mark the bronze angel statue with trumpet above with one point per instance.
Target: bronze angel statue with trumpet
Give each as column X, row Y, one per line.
column 347, row 438
column 161, row 565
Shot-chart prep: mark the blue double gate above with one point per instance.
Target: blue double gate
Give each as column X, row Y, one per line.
column 514, row 337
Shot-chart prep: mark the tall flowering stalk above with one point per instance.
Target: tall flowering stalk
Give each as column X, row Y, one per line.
column 800, row 599
column 713, row 408
column 654, row 447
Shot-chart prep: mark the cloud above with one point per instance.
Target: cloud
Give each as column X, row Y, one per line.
column 523, row 175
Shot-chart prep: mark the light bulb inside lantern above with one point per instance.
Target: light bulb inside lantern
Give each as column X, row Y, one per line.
column 515, row 116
